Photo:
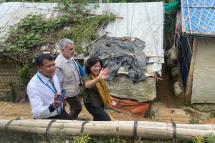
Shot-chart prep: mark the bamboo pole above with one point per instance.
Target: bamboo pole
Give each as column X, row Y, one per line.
column 77, row 124
column 110, row 128
column 190, row 74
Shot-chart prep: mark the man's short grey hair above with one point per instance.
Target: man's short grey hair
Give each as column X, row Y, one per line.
column 64, row 42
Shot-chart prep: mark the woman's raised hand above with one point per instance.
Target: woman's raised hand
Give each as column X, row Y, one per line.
column 104, row 73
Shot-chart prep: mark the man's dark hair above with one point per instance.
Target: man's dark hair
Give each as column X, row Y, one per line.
column 39, row 59
column 92, row 61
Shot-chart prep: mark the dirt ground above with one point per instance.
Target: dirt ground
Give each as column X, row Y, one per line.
column 9, row 110
column 160, row 112
column 166, row 108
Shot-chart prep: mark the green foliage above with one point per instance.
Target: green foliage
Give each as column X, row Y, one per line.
column 107, row 139
column 73, row 7
column 210, row 139
column 34, row 31
column 19, row 137
column 26, row 38
column 169, row 28
column 194, row 121
column 86, row 30
column 81, row 139
column 199, row 139
column 26, row 70
column 98, row 139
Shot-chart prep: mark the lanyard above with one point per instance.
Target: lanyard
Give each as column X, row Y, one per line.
column 60, row 108
column 52, row 89
column 76, row 68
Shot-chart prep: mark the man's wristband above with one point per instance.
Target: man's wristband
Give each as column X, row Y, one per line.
column 51, row 108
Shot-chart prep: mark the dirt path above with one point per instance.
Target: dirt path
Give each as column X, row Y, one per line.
column 161, row 112
column 9, row 110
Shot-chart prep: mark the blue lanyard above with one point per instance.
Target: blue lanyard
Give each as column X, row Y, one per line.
column 60, row 108
column 52, row 89
column 76, row 68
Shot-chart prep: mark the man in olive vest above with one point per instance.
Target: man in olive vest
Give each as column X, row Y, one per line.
column 69, row 76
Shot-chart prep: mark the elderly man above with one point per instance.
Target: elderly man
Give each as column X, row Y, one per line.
column 44, row 91
column 69, row 76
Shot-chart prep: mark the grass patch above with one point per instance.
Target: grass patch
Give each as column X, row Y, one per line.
column 208, row 139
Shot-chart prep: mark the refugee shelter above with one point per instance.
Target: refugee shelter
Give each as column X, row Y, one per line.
column 196, row 24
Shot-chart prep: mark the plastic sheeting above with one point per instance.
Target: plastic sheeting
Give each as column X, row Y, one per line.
column 129, row 106
column 122, row 53
column 12, row 12
column 204, row 69
column 142, row 91
column 144, row 21
column 172, row 7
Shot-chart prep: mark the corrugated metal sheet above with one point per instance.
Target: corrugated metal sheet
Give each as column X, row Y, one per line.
column 204, row 69
column 142, row 20
column 198, row 17
column 124, row 88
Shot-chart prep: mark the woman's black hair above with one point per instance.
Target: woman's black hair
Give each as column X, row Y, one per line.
column 91, row 62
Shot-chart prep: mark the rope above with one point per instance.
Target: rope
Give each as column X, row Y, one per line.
column 82, row 126
column 174, row 129
column 48, row 127
column 134, row 131
column 9, row 122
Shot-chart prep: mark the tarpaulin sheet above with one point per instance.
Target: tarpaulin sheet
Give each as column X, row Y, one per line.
column 129, row 106
column 198, row 16
column 122, row 53
column 142, row 91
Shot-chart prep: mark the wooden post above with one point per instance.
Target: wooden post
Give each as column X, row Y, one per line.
column 190, row 75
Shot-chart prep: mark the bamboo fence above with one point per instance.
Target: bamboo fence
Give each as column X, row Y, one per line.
column 145, row 129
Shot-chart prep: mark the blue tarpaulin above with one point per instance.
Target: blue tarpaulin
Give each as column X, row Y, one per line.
column 198, row 16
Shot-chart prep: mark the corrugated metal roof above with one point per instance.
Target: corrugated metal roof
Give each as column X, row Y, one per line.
column 198, row 17
column 141, row 20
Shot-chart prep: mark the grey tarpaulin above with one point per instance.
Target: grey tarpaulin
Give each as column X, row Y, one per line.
column 123, row 53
